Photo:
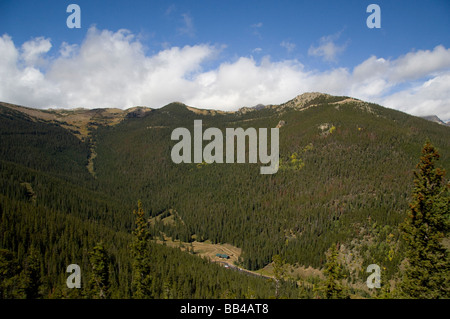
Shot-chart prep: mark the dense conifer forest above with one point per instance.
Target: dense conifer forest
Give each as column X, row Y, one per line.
column 345, row 181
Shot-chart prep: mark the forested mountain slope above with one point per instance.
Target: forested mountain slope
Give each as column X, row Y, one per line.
column 345, row 177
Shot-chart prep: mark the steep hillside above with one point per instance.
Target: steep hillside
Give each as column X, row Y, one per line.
column 345, row 164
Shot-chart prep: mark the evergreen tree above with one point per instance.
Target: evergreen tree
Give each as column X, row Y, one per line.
column 333, row 288
column 9, row 270
column 142, row 280
column 31, row 275
column 428, row 268
column 99, row 283
column 279, row 271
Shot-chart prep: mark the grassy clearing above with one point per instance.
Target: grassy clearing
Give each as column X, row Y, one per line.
column 206, row 249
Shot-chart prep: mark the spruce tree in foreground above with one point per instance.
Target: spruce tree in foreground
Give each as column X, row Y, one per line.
column 428, row 267
column 333, row 288
column 140, row 249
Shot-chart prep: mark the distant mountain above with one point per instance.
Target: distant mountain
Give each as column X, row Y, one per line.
column 79, row 121
column 434, row 118
column 71, row 178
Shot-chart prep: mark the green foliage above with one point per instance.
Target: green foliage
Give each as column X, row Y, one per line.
column 17, row 281
column 279, row 271
column 99, row 283
column 31, row 275
column 140, row 249
column 428, row 264
column 50, row 201
column 42, row 146
column 332, row 287
column 9, row 274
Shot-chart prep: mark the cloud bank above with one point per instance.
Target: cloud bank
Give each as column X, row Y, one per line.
column 112, row 69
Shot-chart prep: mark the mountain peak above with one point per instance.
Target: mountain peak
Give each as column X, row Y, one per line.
column 310, row 99
column 434, row 118
column 303, row 99
column 308, row 96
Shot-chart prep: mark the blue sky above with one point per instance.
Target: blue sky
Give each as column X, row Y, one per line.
column 225, row 54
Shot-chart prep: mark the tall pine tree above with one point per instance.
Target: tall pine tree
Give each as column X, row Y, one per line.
column 333, row 288
column 428, row 266
column 140, row 248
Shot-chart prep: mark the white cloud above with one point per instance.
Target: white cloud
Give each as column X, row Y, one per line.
column 67, row 50
column 327, row 48
column 245, row 82
column 33, row 50
column 112, row 69
column 188, row 25
column 428, row 98
column 289, row 46
column 20, row 80
column 9, row 55
column 415, row 65
column 417, row 82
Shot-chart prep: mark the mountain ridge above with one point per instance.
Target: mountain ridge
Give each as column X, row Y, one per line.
column 53, row 113
column 77, row 118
